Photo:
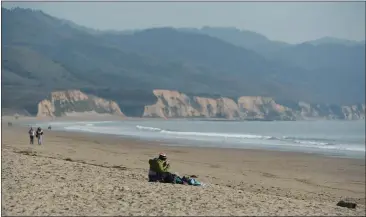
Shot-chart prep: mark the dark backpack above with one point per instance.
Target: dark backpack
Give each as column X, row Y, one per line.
column 173, row 178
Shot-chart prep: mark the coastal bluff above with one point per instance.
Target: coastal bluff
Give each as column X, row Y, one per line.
column 174, row 104
column 74, row 102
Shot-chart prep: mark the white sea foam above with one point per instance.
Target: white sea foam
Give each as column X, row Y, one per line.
column 148, row 128
column 220, row 138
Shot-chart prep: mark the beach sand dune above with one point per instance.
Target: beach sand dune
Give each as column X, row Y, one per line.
column 83, row 174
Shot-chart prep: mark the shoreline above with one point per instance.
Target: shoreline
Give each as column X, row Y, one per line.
column 300, row 184
column 196, row 144
column 163, row 143
column 189, row 144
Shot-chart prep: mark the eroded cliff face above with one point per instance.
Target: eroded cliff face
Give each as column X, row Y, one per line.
column 354, row 112
column 71, row 102
column 173, row 104
column 256, row 107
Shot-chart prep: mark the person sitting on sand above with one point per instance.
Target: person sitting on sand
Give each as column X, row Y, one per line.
column 159, row 172
column 39, row 135
column 31, row 133
column 159, row 168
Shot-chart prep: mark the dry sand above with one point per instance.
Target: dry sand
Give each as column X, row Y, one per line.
column 85, row 174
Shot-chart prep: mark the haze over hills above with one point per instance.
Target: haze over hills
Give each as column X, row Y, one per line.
column 42, row 53
column 332, row 40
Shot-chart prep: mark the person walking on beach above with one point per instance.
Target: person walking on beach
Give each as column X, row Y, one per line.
column 31, row 133
column 39, row 135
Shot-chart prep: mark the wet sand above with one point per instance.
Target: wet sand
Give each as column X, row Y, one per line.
column 88, row 174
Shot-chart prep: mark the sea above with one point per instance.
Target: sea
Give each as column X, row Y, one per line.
column 327, row 137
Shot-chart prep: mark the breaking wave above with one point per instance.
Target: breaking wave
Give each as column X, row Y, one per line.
column 292, row 141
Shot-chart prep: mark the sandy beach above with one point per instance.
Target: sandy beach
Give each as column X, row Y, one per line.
column 88, row 174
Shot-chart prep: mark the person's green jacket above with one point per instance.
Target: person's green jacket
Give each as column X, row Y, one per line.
column 157, row 165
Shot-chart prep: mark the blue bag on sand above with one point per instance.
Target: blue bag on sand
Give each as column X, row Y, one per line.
column 190, row 181
column 178, row 180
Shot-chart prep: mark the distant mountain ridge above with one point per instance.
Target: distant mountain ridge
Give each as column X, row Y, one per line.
column 332, row 40
column 258, row 42
column 42, row 54
column 243, row 38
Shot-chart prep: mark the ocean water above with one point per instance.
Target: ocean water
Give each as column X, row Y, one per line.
column 335, row 138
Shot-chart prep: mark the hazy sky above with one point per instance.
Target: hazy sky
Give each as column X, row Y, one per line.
column 291, row 22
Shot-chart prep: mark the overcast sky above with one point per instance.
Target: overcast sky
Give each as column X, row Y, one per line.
column 284, row 21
